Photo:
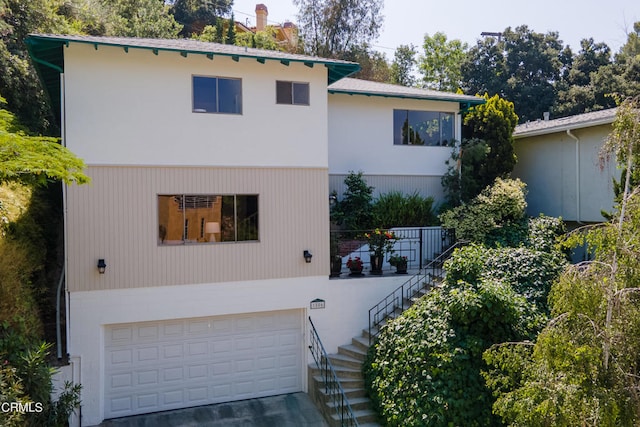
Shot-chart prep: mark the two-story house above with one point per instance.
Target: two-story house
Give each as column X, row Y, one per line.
column 194, row 254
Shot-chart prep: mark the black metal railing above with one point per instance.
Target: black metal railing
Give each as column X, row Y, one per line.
column 420, row 245
column 332, row 386
column 402, row 297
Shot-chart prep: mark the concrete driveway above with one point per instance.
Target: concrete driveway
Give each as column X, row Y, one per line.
column 287, row 410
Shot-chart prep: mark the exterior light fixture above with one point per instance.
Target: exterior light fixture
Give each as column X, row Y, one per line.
column 307, row 256
column 101, row 266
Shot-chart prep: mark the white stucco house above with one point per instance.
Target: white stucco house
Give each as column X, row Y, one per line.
column 186, row 280
column 559, row 161
column 399, row 137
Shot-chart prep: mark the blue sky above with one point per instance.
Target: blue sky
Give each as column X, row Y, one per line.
column 407, row 21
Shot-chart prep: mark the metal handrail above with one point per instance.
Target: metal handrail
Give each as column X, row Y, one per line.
column 401, row 297
column 330, row 380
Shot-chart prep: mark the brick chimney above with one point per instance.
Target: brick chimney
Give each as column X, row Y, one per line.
column 261, row 17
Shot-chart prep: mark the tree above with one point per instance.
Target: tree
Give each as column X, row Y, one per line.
column 195, row 15
column 403, row 66
column 486, row 151
column 34, row 159
column 582, row 368
column 261, row 39
column 441, row 63
column 141, row 18
column 331, row 28
column 522, row 66
column 373, row 64
column 354, row 210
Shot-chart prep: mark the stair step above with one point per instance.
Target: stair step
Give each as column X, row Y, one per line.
column 353, row 351
column 357, row 404
column 351, row 393
column 363, row 416
column 361, row 342
column 346, row 383
column 341, row 372
column 344, row 360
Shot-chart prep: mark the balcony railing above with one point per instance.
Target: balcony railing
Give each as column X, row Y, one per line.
column 420, row 245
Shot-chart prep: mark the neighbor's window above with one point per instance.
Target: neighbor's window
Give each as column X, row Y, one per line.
column 412, row 127
column 292, row 93
column 190, row 218
column 217, row 95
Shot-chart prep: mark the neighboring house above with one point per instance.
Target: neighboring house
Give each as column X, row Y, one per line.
column 209, row 167
column 286, row 34
column 559, row 161
column 399, row 137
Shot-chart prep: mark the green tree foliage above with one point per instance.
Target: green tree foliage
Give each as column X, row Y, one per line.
column 141, row 18
column 403, row 66
column 195, row 15
column 34, row 159
column 486, row 151
column 373, row 64
column 332, row 28
column 354, row 210
column 582, row 368
column 495, row 217
column 581, row 88
column 440, row 65
column 261, row 39
column 523, row 66
column 395, row 209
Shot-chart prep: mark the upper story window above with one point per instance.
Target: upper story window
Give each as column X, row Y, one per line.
column 217, row 95
column 432, row 128
column 292, row 93
column 197, row 218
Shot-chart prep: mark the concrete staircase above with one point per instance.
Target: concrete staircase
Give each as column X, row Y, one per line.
column 347, row 364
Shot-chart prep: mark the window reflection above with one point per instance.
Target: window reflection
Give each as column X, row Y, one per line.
column 431, row 128
column 189, row 219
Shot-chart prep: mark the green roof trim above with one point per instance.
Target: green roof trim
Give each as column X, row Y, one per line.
column 464, row 103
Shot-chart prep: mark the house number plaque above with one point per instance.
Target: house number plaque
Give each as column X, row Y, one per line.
column 317, row 303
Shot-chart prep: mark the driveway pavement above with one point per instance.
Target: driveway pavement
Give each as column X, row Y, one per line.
column 287, row 410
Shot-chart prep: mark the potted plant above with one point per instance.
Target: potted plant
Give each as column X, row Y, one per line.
column 355, row 265
column 400, row 263
column 380, row 242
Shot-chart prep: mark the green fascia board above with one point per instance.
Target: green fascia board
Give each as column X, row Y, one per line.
column 465, row 104
column 48, row 61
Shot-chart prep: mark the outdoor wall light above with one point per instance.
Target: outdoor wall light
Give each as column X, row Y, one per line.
column 307, row 256
column 101, row 266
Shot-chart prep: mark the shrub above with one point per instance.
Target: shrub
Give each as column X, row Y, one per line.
column 395, row 209
column 354, row 210
column 495, row 217
column 425, row 368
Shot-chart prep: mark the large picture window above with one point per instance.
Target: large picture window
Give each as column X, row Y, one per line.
column 191, row 219
column 431, row 128
column 292, row 93
column 217, row 95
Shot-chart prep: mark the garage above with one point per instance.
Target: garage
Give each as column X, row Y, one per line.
column 163, row 365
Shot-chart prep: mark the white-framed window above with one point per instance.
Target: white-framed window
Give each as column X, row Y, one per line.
column 222, row 218
column 217, row 95
column 428, row 128
column 292, row 93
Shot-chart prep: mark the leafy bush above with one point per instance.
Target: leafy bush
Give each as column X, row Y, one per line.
column 354, row 210
column 495, row 217
column 25, row 376
column 394, row 209
column 425, row 367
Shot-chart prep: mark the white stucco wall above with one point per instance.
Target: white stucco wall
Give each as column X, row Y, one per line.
column 344, row 316
column 556, row 186
column 135, row 108
column 361, row 137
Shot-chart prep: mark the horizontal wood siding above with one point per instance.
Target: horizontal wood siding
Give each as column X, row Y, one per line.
column 424, row 185
column 116, row 218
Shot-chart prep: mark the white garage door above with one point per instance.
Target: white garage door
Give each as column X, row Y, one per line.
column 156, row 366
